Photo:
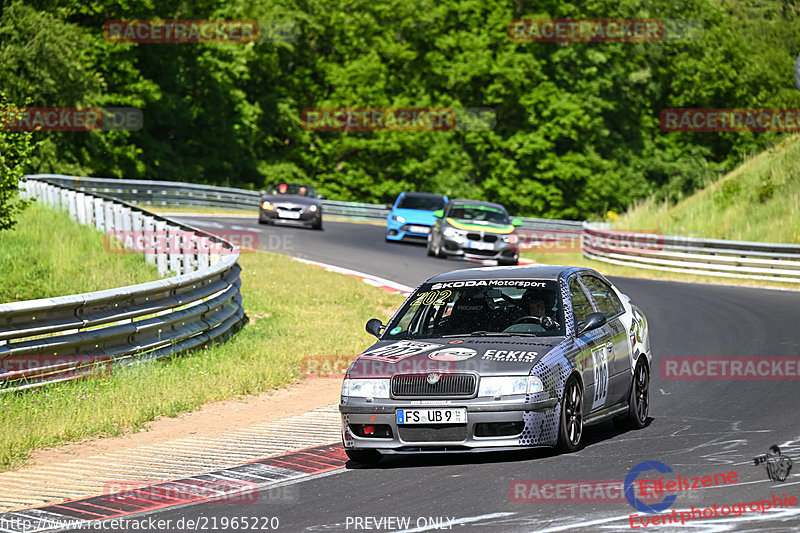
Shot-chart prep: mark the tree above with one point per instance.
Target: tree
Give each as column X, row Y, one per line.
column 15, row 152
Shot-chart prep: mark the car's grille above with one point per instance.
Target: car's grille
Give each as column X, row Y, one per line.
column 477, row 237
column 416, row 385
column 290, row 207
column 472, row 251
column 432, row 433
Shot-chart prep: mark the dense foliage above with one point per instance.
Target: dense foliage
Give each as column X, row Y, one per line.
column 576, row 133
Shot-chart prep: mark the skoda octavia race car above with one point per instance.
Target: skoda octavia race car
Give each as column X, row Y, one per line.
column 475, row 230
column 498, row 358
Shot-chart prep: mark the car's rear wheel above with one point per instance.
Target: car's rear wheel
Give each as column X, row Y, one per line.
column 363, row 456
column 570, row 427
column 639, row 399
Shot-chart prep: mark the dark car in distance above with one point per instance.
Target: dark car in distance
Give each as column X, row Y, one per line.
column 291, row 203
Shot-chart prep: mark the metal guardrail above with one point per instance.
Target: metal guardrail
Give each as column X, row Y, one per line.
column 68, row 337
column 708, row 257
column 176, row 193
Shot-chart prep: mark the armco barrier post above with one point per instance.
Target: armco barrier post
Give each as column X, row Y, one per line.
column 174, row 246
column 189, row 251
column 88, row 209
column 108, row 215
column 161, row 254
column 116, row 210
column 148, row 227
column 80, row 206
column 71, row 205
column 99, row 218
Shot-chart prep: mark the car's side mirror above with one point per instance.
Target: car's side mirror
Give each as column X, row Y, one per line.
column 374, row 327
column 322, row 197
column 438, row 213
column 593, row 321
column 627, row 298
column 516, row 222
column 262, row 193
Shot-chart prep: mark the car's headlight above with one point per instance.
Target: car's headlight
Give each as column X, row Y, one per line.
column 266, row 205
column 366, row 388
column 313, row 208
column 506, row 385
column 453, row 233
column 399, row 219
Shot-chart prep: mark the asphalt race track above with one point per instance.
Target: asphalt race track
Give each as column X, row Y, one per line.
column 698, row 428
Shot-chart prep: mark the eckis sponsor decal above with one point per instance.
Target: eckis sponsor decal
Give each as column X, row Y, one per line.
column 510, row 356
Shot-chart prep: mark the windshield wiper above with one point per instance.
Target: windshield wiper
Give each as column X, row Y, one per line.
column 492, row 334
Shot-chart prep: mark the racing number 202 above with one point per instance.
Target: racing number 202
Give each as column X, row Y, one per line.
column 600, row 362
column 432, row 298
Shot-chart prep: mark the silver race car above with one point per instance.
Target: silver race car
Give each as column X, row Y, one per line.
column 498, row 358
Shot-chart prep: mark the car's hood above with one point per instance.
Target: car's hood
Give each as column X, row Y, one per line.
column 415, row 216
column 485, row 355
column 290, row 199
column 487, row 227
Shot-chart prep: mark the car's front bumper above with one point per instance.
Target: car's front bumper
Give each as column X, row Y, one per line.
column 397, row 232
column 306, row 217
column 500, row 250
column 522, row 424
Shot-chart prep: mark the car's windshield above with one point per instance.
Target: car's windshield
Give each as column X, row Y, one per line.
column 480, row 308
column 478, row 213
column 292, row 188
column 424, row 203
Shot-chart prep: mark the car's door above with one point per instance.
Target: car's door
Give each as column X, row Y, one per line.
column 606, row 301
column 593, row 357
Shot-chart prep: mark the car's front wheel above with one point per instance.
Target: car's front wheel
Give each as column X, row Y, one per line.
column 570, row 427
column 639, row 399
column 363, row 456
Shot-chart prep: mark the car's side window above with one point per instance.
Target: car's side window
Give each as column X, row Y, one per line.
column 604, row 296
column 581, row 306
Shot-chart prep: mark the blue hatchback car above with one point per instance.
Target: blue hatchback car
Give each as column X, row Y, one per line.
column 412, row 216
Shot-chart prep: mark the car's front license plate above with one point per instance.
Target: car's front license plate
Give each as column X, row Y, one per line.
column 289, row 214
column 432, row 416
column 478, row 245
column 419, row 229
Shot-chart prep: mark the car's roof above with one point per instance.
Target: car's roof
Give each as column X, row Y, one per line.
column 287, row 184
column 541, row 272
column 423, row 194
column 464, row 201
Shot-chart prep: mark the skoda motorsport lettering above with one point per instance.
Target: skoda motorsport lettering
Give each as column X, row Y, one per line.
column 498, row 358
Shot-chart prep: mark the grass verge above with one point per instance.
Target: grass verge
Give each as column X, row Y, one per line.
column 46, row 255
column 296, row 312
column 758, row 201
